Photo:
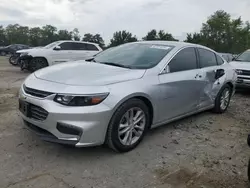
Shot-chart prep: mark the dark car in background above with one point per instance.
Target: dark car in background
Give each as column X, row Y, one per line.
column 11, row 49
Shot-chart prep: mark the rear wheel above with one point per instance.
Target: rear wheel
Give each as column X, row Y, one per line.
column 223, row 99
column 37, row 63
column 128, row 125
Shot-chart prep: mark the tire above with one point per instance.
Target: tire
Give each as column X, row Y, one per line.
column 12, row 60
column 121, row 118
column 37, row 63
column 219, row 107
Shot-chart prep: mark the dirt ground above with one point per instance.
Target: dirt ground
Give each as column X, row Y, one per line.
column 203, row 151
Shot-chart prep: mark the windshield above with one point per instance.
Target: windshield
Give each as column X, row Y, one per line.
column 51, row 45
column 134, row 55
column 245, row 56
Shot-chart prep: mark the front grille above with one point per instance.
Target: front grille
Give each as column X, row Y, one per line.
column 243, row 72
column 243, row 78
column 37, row 112
column 36, row 93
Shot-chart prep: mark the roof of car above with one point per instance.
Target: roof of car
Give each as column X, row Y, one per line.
column 172, row 43
column 76, row 41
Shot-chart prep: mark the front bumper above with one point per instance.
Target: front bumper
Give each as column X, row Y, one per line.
column 80, row 126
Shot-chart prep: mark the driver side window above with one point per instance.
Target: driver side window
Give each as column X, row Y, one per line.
column 184, row 60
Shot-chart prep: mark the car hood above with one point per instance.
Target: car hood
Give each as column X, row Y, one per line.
column 240, row 65
column 30, row 50
column 84, row 73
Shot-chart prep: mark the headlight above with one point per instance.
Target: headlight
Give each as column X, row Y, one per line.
column 74, row 100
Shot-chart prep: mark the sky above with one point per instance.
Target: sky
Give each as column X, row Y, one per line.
column 107, row 16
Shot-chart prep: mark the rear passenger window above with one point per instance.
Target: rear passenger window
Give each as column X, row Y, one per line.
column 219, row 60
column 184, row 60
column 79, row 46
column 207, row 58
column 66, row 46
column 91, row 47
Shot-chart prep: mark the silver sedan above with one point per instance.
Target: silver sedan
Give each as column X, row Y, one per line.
column 118, row 95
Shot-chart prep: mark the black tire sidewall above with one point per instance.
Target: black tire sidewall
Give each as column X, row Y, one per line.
column 218, row 99
column 114, row 124
column 10, row 60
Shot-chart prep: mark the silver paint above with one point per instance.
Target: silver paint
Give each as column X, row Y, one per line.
column 172, row 95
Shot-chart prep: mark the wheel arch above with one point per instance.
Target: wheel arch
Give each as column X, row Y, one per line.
column 230, row 84
column 42, row 57
column 143, row 97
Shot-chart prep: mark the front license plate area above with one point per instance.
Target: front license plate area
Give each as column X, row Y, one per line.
column 24, row 107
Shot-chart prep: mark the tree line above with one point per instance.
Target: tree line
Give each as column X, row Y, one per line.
column 220, row 32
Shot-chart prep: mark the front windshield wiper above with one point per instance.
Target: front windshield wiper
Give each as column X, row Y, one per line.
column 116, row 64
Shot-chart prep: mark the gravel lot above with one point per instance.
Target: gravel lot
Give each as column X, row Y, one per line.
column 203, row 151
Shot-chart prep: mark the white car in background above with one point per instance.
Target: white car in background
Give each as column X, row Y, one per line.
column 56, row 52
column 242, row 66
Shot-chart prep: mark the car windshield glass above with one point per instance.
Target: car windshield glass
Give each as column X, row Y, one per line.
column 134, row 55
column 245, row 56
column 51, row 45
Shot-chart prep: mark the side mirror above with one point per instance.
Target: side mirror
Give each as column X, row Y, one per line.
column 219, row 73
column 57, row 48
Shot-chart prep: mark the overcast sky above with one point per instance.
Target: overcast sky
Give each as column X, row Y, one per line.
column 107, row 16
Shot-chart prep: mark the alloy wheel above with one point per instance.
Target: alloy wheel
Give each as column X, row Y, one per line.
column 131, row 126
column 225, row 98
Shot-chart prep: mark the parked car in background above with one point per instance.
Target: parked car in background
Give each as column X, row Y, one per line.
column 11, row 49
column 227, row 56
column 57, row 52
column 116, row 96
column 242, row 66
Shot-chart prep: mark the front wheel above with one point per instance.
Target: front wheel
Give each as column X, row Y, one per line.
column 128, row 125
column 37, row 63
column 223, row 99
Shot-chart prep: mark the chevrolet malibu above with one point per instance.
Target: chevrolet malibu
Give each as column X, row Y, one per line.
column 118, row 95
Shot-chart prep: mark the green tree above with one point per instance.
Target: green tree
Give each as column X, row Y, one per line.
column 152, row 35
column 76, row 35
column 35, row 36
column 222, row 33
column 3, row 39
column 64, row 35
column 161, row 35
column 122, row 37
column 49, row 34
column 94, row 38
column 165, row 36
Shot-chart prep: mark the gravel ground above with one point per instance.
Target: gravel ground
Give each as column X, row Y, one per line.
column 203, row 151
